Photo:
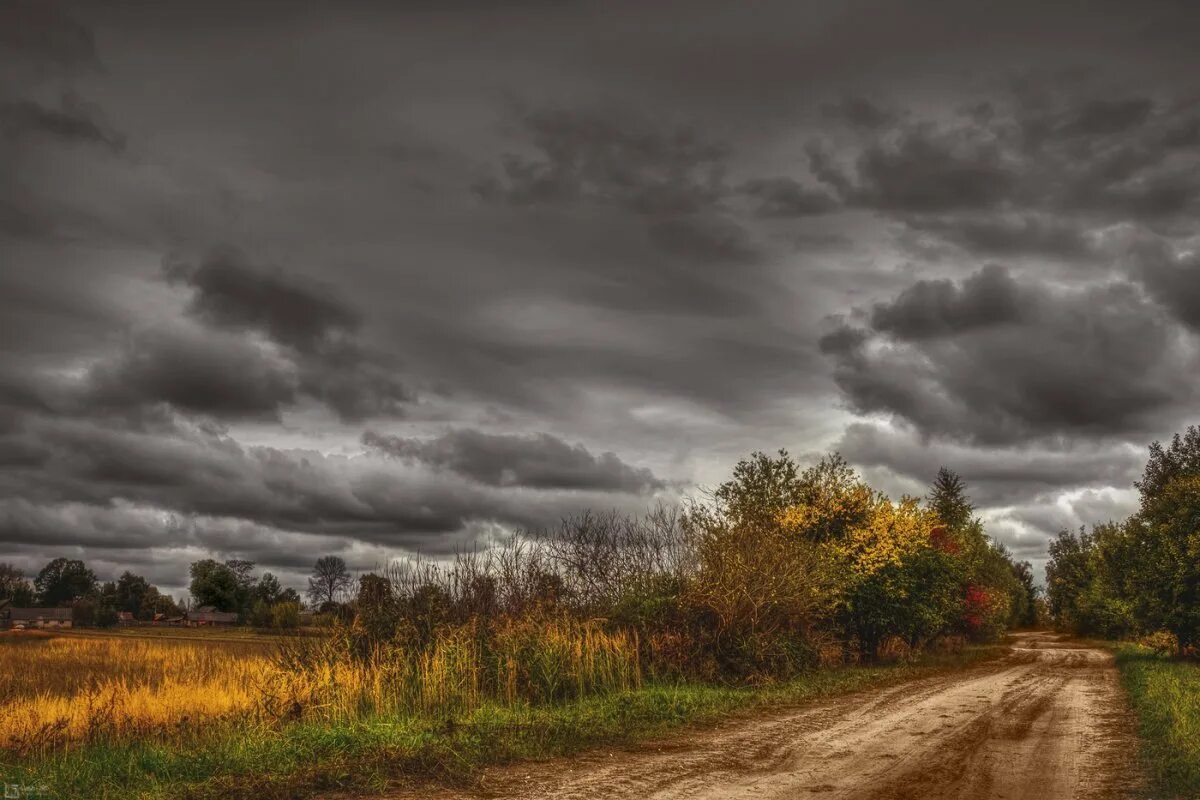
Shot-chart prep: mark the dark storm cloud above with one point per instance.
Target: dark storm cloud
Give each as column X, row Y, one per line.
column 1032, row 361
column 611, row 157
column 785, row 197
column 997, row 475
column 230, row 292
column 1028, row 174
column 1174, row 281
column 860, row 112
column 921, row 169
column 1001, row 236
column 72, row 121
column 194, row 370
column 40, row 32
column 930, row 309
column 648, row 282
column 187, row 470
column 675, row 178
column 536, row 460
column 317, row 330
column 1106, row 117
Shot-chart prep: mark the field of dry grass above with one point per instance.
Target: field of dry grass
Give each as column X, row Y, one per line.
column 57, row 690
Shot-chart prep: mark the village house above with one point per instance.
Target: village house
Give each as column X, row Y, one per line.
column 208, row 615
column 26, row 618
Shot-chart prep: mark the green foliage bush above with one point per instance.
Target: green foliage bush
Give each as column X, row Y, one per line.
column 1143, row 574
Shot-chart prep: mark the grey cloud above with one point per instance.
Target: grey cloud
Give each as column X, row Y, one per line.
column 922, row 170
column 188, row 471
column 41, row 32
column 708, row 239
column 197, row 371
column 860, row 112
column 611, row 157
column 318, row 331
column 929, row 309
column 997, row 235
column 1098, row 361
column 997, row 475
column 673, row 178
column 73, row 121
column 1174, row 281
column 230, row 292
column 1027, row 174
column 536, row 460
column 786, row 197
column 1106, row 117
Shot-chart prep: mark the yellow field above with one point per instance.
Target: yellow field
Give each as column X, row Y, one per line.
column 62, row 689
column 59, row 690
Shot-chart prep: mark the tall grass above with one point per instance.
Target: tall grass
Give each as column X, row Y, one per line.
column 534, row 661
column 56, row 692
column 1165, row 693
column 62, row 692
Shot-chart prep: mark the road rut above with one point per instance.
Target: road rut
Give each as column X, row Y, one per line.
column 1047, row 721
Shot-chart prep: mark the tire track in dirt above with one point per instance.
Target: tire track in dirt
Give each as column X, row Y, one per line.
column 1047, row 721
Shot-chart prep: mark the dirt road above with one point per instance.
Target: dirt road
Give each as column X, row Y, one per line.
column 1048, row 721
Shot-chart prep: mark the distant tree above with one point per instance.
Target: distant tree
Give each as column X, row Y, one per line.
column 268, row 590
column 63, row 582
column 289, row 595
column 1068, row 575
column 130, row 593
column 329, row 579
column 227, row 586
column 155, row 602
column 14, row 586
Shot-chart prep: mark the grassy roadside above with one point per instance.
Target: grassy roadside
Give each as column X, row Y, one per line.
column 1165, row 693
column 304, row 758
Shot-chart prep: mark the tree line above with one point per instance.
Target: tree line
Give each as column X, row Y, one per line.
column 229, row 586
column 1139, row 576
column 778, row 570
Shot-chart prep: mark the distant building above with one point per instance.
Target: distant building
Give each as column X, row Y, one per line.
column 23, row 618
column 125, row 618
column 208, row 615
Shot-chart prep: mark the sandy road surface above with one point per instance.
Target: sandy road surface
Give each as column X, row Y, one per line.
column 1048, row 721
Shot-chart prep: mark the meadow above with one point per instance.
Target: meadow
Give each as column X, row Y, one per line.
column 60, row 690
column 212, row 734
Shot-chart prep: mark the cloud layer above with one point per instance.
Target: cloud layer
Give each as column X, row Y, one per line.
column 288, row 280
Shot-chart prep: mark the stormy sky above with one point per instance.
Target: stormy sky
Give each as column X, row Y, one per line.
column 286, row 279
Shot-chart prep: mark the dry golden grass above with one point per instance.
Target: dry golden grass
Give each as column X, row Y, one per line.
column 66, row 689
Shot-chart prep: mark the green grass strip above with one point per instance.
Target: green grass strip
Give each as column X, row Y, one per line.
column 1165, row 693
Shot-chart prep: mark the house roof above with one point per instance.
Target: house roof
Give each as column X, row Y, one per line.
column 212, row 616
column 30, row 614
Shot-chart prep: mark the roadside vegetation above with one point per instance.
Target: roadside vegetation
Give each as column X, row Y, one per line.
column 1165, row 692
column 1138, row 581
column 784, row 583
